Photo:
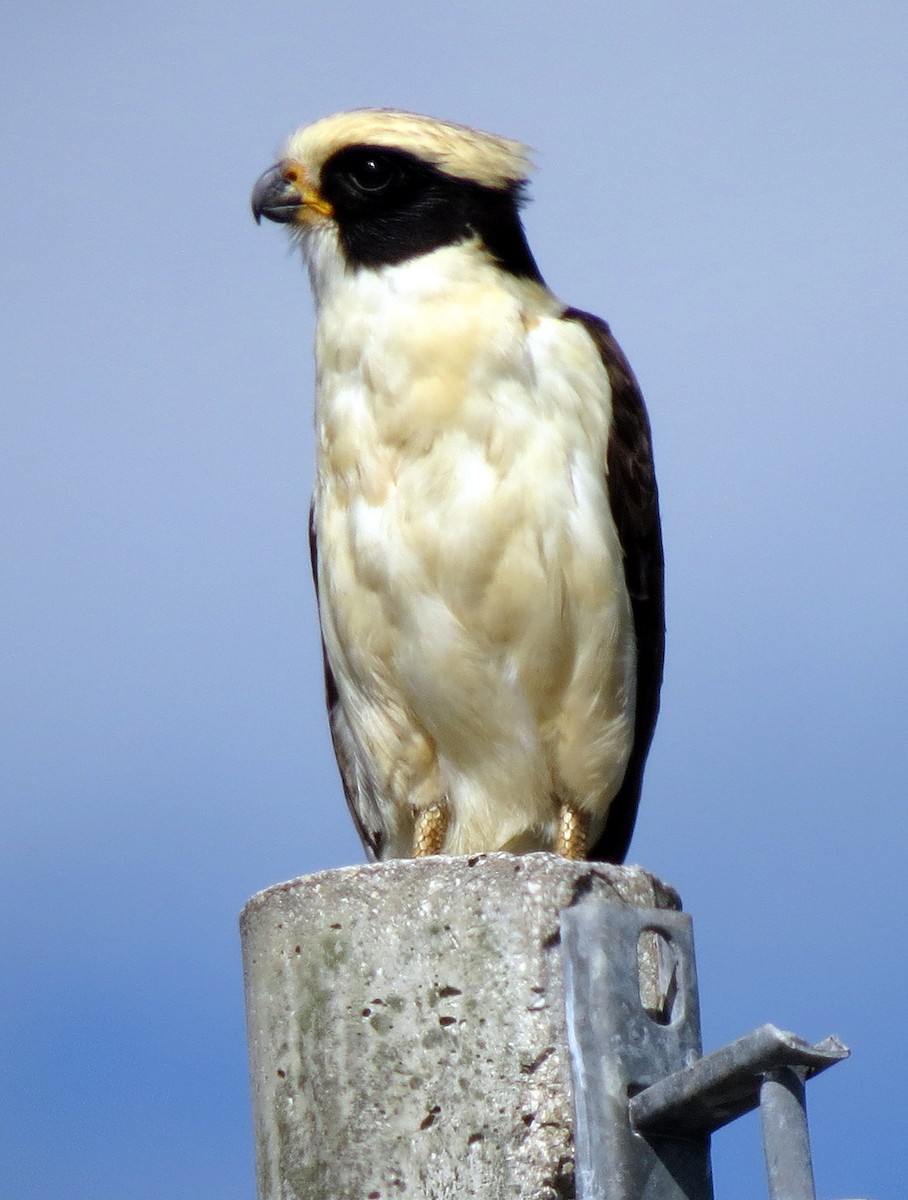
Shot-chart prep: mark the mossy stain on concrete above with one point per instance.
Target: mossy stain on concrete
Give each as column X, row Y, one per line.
column 381, row 1022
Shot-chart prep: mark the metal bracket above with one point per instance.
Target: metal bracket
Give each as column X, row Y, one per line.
column 645, row 1100
column 632, row 1019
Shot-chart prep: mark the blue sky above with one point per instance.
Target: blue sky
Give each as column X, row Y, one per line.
column 726, row 184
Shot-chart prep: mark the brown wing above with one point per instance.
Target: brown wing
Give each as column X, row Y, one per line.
column 634, row 502
column 357, row 789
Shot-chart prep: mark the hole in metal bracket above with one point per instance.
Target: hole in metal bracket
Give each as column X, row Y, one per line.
column 657, row 976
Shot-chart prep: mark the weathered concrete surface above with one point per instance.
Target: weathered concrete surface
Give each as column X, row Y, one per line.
column 406, row 1027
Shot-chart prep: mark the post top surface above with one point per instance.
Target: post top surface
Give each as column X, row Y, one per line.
column 630, row 885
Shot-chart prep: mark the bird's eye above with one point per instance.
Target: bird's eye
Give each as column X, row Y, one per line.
column 373, row 173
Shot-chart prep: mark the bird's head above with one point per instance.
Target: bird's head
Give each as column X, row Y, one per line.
column 380, row 187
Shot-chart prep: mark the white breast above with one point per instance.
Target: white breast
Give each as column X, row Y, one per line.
column 472, row 592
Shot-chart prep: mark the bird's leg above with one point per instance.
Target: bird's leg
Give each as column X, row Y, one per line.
column 430, row 829
column 573, row 831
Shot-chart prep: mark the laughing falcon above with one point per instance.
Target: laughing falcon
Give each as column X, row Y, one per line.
column 485, row 527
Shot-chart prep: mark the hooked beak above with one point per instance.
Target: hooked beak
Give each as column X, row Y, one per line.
column 276, row 196
column 283, row 194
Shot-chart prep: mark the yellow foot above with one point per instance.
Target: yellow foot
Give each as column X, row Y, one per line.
column 573, row 831
column 430, row 829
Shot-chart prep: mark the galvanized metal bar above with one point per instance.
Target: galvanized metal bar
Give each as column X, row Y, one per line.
column 786, row 1141
column 726, row 1084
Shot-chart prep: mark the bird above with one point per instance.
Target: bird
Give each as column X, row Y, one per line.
column 484, row 529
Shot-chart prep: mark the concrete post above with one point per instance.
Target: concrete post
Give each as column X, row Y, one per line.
column 407, row 1028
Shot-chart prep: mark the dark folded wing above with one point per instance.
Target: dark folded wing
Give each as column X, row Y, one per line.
column 634, row 502
column 358, row 791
